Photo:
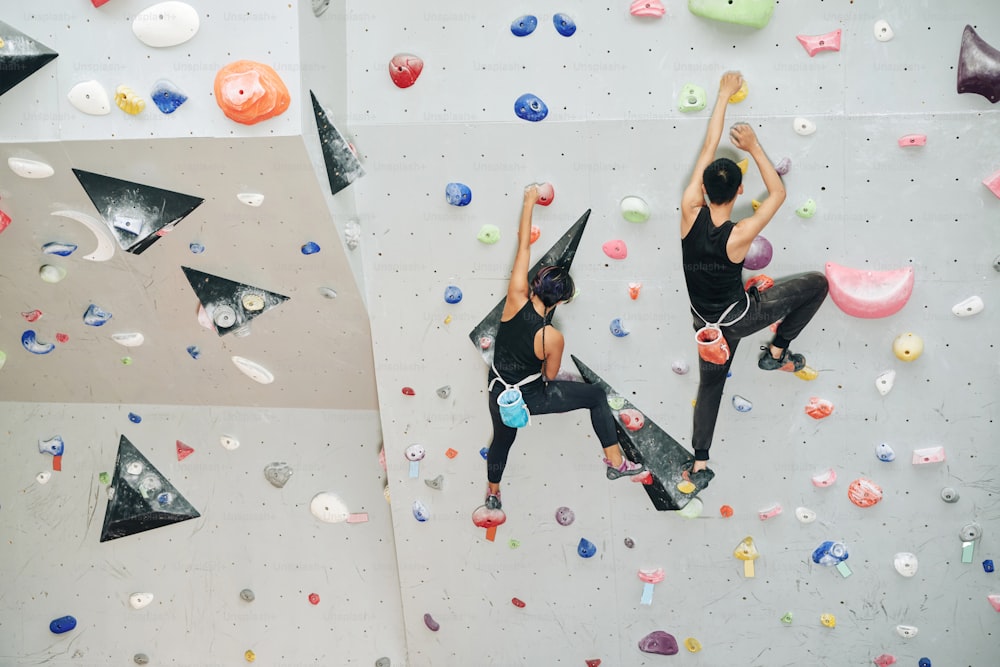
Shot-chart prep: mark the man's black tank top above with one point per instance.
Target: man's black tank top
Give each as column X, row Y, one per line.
column 713, row 281
column 514, row 348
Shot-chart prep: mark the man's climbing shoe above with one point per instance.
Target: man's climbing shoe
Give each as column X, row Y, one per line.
column 700, row 479
column 789, row 361
column 627, row 469
column 493, row 501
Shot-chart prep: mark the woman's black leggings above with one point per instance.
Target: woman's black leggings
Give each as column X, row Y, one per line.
column 793, row 300
column 548, row 398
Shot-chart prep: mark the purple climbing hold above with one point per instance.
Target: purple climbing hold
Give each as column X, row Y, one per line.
column 196, row 248
column 760, row 254
column 784, row 164
column 978, row 67
column 431, row 624
column 660, row 642
column 629, row 542
column 310, row 248
column 565, row 516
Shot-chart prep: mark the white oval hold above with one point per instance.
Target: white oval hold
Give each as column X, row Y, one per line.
column 166, row 24
column 90, row 98
column 51, row 273
column 140, row 600
column 970, row 306
column 134, row 339
column 680, row 367
column 884, row 381
column 133, row 467
column 805, row 515
column 907, row 631
column 229, row 442
column 328, row 508
column 43, row 477
column 883, row 32
column 253, row 370
column 254, row 199
column 29, row 168
column 804, row 126
column 905, row 563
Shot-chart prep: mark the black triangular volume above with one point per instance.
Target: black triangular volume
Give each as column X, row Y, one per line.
column 140, row 498
column 137, row 215
column 230, row 304
column 20, row 56
column 561, row 254
column 652, row 446
column 978, row 66
column 342, row 166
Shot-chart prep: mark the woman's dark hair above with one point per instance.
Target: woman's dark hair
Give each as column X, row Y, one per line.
column 722, row 180
column 553, row 284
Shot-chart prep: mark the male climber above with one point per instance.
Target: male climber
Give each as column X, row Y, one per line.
column 713, row 249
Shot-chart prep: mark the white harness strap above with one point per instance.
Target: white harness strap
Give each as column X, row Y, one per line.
column 530, row 378
column 720, row 323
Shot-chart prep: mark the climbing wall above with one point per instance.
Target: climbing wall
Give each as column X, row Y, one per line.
column 880, row 208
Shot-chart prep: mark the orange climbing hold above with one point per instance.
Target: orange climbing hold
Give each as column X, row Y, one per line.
column 818, row 408
column 249, row 92
column 451, row 453
column 864, row 492
column 761, row 282
column 726, row 511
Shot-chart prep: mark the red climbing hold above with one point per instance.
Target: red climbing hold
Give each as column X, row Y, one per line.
column 404, row 68
column 183, row 451
column 32, row 316
column 545, row 194
column 726, row 511
column 408, row 391
column 761, row 282
column 517, row 602
column 313, row 598
column 62, row 338
column 4, row 221
column 595, row 662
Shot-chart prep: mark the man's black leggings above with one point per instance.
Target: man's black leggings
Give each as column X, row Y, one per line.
column 548, row 398
column 793, row 300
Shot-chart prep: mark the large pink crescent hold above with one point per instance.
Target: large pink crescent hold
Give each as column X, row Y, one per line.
column 869, row 294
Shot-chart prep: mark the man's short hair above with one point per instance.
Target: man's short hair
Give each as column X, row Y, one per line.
column 722, row 180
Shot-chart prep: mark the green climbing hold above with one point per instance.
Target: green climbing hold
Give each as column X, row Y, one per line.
column 513, row 543
column 692, row 98
column 616, row 402
column 807, row 210
column 787, row 618
column 489, row 234
column 751, row 13
column 105, row 478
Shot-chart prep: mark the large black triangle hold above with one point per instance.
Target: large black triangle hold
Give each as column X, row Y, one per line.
column 650, row 445
column 140, row 498
column 137, row 215
column 561, row 254
column 229, row 304
column 20, row 56
column 342, row 165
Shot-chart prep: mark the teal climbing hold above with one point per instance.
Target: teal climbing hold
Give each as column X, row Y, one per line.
column 751, row 13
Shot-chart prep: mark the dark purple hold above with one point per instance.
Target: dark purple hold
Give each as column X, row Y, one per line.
column 431, row 624
column 660, row 642
column 565, row 516
column 629, row 542
column 760, row 254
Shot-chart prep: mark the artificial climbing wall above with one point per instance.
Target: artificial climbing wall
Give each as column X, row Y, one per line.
column 613, row 130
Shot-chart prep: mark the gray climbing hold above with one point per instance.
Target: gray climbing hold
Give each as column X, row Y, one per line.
column 970, row 532
column 141, row 659
column 949, row 495
column 247, row 595
column 444, row 392
column 629, row 542
column 383, row 662
column 277, row 473
column 435, row 483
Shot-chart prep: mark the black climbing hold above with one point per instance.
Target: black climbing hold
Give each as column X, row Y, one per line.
column 21, row 57
column 229, row 304
column 342, row 166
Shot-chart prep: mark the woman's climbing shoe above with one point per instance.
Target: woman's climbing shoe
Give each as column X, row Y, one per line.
column 493, row 501
column 626, row 469
column 789, row 361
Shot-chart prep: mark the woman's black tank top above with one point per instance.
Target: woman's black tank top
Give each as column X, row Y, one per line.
column 713, row 281
column 514, row 348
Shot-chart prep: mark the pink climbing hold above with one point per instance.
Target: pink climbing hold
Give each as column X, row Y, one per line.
column 62, row 338
column 995, row 601
column 313, row 598
column 869, row 294
column 992, row 182
column 647, row 8
column 485, row 517
column 4, row 221
column 825, row 478
column 183, row 451
column 912, row 140
column 813, row 44
column 651, row 576
column 32, row 316
column 631, row 419
column 818, row 408
column 615, row 249
column 660, row 642
column 885, row 660
column 405, row 68
column 546, row 193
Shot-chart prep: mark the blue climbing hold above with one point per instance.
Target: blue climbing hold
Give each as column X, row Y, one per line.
column 31, row 344
column 830, row 553
column 484, row 452
column 458, row 194
column 586, row 548
column 523, row 26
column 134, row 418
column 988, row 565
column 452, row 294
column 618, row 329
column 54, row 446
column 95, row 316
column 61, row 249
column 531, row 108
column 420, row 512
column 564, row 24
column 924, row 662
column 61, row 625
column 741, row 404
column 884, row 453
column 310, row 248
column 196, row 248
column 194, row 351
column 167, row 97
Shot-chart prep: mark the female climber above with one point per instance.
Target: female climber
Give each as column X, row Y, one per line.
column 528, row 350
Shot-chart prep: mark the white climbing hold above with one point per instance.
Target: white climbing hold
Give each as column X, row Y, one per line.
column 883, row 32
column 804, row 126
column 805, row 515
column 140, row 600
column 352, row 234
column 51, row 273
column 907, row 631
column 825, row 478
column 229, row 442
column 905, row 563
column 90, row 98
column 970, row 306
column 254, row 199
column 128, row 339
column 328, row 508
column 166, row 24
column 635, row 209
column 43, row 477
column 253, row 370
column 884, row 381
column 680, row 367
column 29, row 168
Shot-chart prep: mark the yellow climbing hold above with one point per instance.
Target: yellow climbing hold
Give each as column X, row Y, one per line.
column 385, row 493
column 755, row 204
column 829, row 620
column 447, row 320
column 128, row 101
column 1, row 42
column 807, row 373
column 740, row 94
column 743, row 164
column 686, row 487
column 250, row 655
column 692, row 644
